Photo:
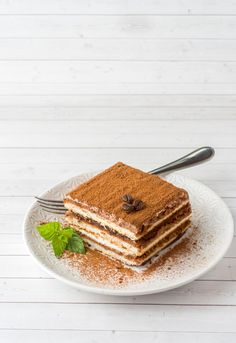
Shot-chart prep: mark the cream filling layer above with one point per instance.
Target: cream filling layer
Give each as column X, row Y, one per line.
column 123, row 259
column 116, row 243
column 121, row 230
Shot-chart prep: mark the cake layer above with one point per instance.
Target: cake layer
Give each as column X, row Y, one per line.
column 120, row 245
column 99, row 220
column 140, row 260
column 123, row 244
column 101, row 197
column 171, row 218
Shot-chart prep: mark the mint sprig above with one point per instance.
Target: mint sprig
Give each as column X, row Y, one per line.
column 76, row 244
column 61, row 238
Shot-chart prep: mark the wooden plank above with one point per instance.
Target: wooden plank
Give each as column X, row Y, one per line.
column 103, row 26
column 9, row 90
column 20, row 267
column 60, row 336
column 12, row 244
column 119, row 317
column 118, row 7
column 106, row 113
column 117, row 49
column 12, row 224
column 70, row 102
column 118, row 134
column 151, row 157
column 26, row 336
column 118, row 71
column 53, row 291
column 13, row 206
column 9, row 268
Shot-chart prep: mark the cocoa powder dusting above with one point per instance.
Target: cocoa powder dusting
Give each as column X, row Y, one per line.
column 100, row 269
column 97, row 268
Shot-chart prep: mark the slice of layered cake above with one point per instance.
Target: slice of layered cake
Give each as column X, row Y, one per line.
column 128, row 214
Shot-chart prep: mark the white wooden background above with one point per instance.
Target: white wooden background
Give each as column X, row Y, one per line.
column 84, row 84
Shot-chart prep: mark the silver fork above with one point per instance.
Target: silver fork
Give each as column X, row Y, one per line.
column 193, row 158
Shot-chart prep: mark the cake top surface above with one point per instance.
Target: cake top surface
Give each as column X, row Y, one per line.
column 103, row 193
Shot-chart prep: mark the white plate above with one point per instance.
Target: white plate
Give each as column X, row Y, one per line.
column 214, row 234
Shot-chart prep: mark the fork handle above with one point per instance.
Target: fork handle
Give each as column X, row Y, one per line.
column 195, row 157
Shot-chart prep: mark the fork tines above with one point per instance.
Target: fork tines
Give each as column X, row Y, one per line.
column 52, row 206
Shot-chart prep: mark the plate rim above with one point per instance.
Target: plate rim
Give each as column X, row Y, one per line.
column 126, row 292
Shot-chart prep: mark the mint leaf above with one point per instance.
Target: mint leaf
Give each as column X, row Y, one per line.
column 61, row 238
column 49, row 231
column 67, row 232
column 59, row 244
column 76, row 244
